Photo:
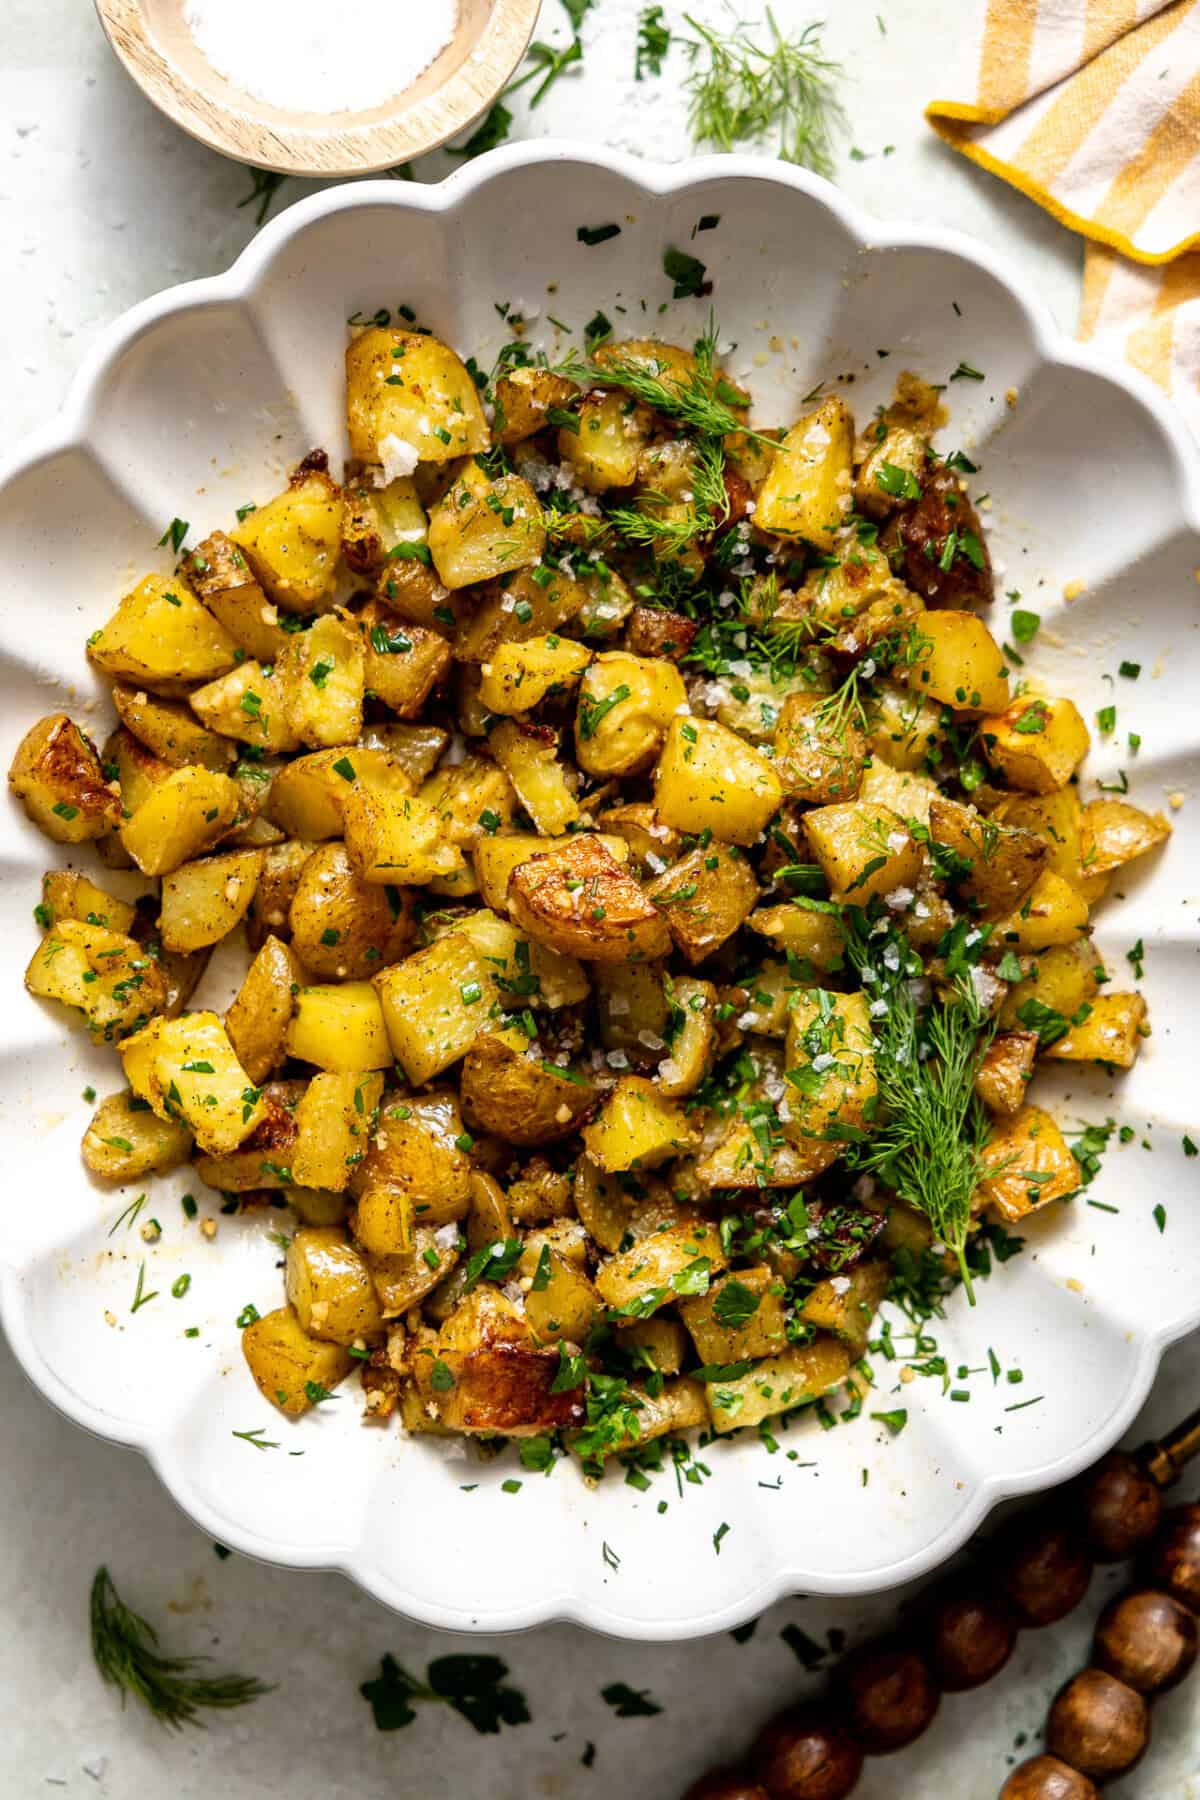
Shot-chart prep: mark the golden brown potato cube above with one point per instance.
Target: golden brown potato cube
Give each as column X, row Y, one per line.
column 321, row 672
column 534, row 603
column 654, row 632
column 415, row 748
column 847, row 1304
column 676, row 1262
column 203, row 901
column 471, row 797
column 603, row 451
column 778, row 1383
column 679, row 1406
column 495, row 858
column 523, row 399
column 344, row 928
column 334, row 1120
column 160, row 636
column 709, row 779
column 293, row 542
column 483, row 528
column 864, row 849
column 403, row 663
column 329, row 1287
column 504, row 1386
column 410, row 399
column 221, row 576
column 1062, row 978
column 1037, row 744
column 830, row 1065
column 906, row 792
column 66, row 894
column 380, row 521
column 904, row 729
column 560, row 1301
column 415, row 1151
column 105, row 975
column 56, row 772
column 126, row 1140
column 528, row 754
column 250, row 704
column 339, row 1028
column 992, row 864
column 653, row 845
column 261, row 1012
column 382, row 1220
column 626, row 704
column 631, row 1006
column 803, row 931
column 580, row 901
column 522, row 972
column 807, row 491
column 960, row 664
column 1053, row 912
column 1114, row 833
column 519, row 676
column 291, row 1369
column 748, row 1157
column 740, row 1315
column 401, row 1280
column 638, row 1127
column 396, row 839
column 691, row 1037
column 180, row 818
column 1006, row 1070
column 706, row 896
column 514, row 1091
column 306, row 795
column 1032, row 1165
column 604, row 1207
column 1055, row 818
column 434, row 1004
column 1111, row 1033
column 657, row 1343
column 167, row 728
column 280, row 876
column 188, row 1070
column 819, row 756
column 889, row 474
column 263, row 1160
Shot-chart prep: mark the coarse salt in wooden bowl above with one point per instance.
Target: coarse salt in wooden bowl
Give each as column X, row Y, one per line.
column 162, row 52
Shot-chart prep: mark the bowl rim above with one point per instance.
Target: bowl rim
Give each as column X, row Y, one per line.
column 69, row 431
column 339, row 147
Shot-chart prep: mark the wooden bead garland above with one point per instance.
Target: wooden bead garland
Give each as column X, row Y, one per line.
column 887, row 1693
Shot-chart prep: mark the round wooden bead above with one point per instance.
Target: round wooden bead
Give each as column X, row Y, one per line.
column 1173, row 1559
column 807, row 1754
column 1097, row 1724
column 891, row 1694
column 727, row 1784
column 1147, row 1640
column 1045, row 1778
column 1043, row 1572
column 1121, row 1507
column 969, row 1637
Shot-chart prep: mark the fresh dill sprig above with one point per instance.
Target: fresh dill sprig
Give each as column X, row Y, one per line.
column 740, row 92
column 931, row 1126
column 266, row 184
column 701, row 401
column 646, row 528
column 126, row 1650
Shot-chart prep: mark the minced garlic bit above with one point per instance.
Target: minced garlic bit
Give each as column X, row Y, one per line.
column 209, row 1228
column 1073, row 589
column 1175, row 799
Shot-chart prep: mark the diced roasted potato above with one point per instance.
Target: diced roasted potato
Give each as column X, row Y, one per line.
column 220, row 575
column 1111, row 1032
column 1053, row 912
column 126, row 1140
column 293, row 542
column 1006, row 1070
column 741, row 1315
column 626, row 704
column 249, row 704
column 322, row 675
column 497, row 1377
column 471, row 798
column 339, row 1028
column 940, row 545
column 415, row 1153
column 691, row 1037
column 1061, row 980
column 754, row 1153
column 519, row 676
column 960, row 664
column 819, row 754
column 639, row 831
column 679, row 1406
column 56, row 772
column 904, row 729
column 826, row 1096
column 524, row 399
column 528, row 754
column 1056, row 819
column 632, row 1010
column 434, row 1004
column 66, row 894
column 638, row 1127
column 410, row 399
column 483, row 528
column 277, row 883
column 1114, row 833
column 524, row 973
column 161, row 637
column 675, row 1262
column 334, row 1120
column 167, row 728
column 604, row 446
column 709, row 779
column 496, row 857
column 403, row 663
column 259, row 1016
column 263, row 1161
column 706, row 896
column 804, row 931
column 847, row 1304
column 807, row 491
column 112, row 982
column 992, row 864
column 778, row 1383
column 415, row 748
column 514, row 1091
column 345, row 928
column 381, row 523
column 203, row 901
column 291, row 1369
column 1031, row 1165
column 864, row 849
column 889, row 474
column 180, row 818
column 401, row 1280
column 188, row 1070
column 1037, row 744
column 396, row 839
column 330, row 1288
column 535, row 602
column 307, row 793
column 561, row 1302
column 580, row 901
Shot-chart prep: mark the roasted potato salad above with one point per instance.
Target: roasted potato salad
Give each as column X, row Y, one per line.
column 657, row 888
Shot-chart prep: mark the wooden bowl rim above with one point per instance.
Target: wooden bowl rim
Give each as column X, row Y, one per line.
column 339, row 147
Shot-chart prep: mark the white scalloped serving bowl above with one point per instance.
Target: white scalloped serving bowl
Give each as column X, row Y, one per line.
column 197, row 401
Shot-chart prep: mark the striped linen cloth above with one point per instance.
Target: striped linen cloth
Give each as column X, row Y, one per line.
column 1092, row 108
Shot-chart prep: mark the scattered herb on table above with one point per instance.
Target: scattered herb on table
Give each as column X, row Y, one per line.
column 128, row 1657
column 741, row 91
column 474, row 1686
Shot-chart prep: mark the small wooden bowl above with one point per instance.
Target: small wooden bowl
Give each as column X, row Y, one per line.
column 159, row 52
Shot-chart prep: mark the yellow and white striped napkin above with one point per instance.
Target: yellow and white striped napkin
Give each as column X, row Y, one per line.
column 1092, row 108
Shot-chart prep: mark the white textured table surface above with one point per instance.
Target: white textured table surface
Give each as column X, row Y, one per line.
column 101, row 203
